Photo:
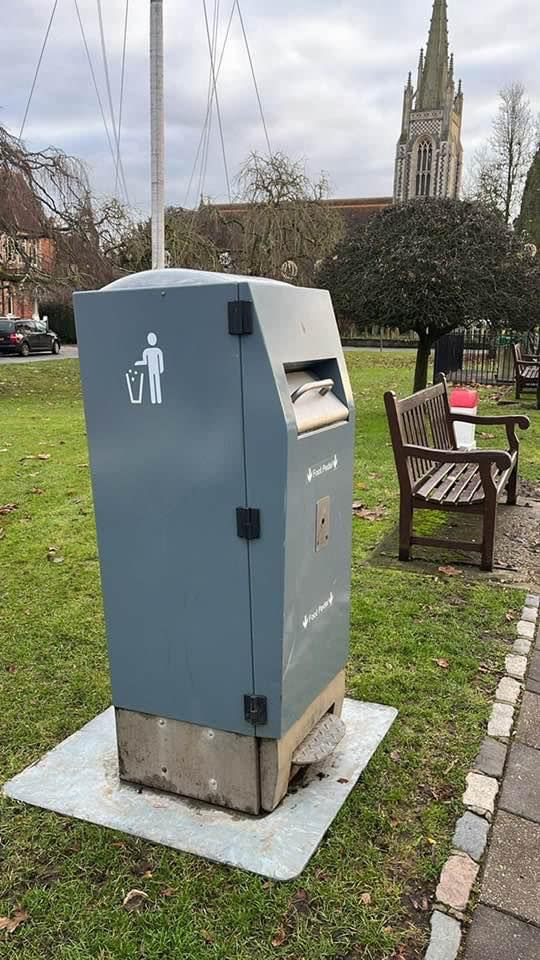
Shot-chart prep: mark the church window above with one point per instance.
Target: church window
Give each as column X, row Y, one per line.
column 424, row 164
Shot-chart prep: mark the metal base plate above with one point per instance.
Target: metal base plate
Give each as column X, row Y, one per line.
column 79, row 778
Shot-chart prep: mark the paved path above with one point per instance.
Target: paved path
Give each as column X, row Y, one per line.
column 506, row 924
column 66, row 353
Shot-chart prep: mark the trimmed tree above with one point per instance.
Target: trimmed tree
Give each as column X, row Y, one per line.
column 529, row 218
column 432, row 266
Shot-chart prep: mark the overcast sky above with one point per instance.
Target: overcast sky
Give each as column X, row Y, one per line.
column 331, row 75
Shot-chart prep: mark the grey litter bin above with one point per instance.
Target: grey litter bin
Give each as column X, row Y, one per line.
column 221, row 426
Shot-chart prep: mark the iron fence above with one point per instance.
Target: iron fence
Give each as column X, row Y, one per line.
column 482, row 356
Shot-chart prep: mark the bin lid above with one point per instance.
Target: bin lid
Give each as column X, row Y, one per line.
column 317, row 407
column 464, row 399
column 173, row 277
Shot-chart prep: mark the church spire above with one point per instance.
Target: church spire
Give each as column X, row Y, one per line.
column 432, row 90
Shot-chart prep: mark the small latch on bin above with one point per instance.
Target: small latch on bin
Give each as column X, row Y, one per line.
column 240, row 317
column 248, row 523
column 256, row 709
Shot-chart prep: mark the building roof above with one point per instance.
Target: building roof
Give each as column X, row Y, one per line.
column 355, row 210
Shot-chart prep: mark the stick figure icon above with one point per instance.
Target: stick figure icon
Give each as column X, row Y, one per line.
column 152, row 359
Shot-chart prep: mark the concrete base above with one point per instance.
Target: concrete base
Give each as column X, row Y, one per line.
column 79, row 778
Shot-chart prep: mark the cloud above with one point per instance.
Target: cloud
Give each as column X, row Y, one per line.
column 331, row 77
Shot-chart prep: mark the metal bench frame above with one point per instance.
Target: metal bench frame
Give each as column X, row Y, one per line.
column 435, row 475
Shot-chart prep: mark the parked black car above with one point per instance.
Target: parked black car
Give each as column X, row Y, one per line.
column 27, row 336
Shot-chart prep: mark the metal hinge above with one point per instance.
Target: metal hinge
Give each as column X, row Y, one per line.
column 248, row 523
column 255, row 710
column 240, row 317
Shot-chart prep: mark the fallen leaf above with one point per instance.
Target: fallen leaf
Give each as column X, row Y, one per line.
column 487, row 436
column 443, row 664
column 52, row 555
column 395, row 756
column 365, row 898
column 37, row 456
column 37, row 491
column 7, row 508
column 431, row 841
column 135, row 900
column 10, row 924
column 207, row 936
column 280, row 937
column 510, row 616
column 11, row 668
column 377, row 513
column 451, row 571
column 168, row 892
column 343, row 780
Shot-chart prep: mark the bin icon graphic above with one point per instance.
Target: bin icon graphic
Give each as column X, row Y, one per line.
column 135, row 385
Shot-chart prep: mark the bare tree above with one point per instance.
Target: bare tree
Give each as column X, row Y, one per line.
column 500, row 168
column 287, row 226
column 280, row 227
column 53, row 236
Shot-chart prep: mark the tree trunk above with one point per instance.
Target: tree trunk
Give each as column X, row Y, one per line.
column 422, row 364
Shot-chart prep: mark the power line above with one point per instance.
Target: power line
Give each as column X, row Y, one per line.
column 255, row 84
column 94, row 80
column 218, row 111
column 209, row 114
column 205, row 123
column 109, row 92
column 36, row 74
column 121, row 106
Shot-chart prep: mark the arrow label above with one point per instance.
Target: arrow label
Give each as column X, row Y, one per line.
column 320, row 469
column 310, row 618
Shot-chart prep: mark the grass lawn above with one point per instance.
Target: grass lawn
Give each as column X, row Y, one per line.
column 364, row 894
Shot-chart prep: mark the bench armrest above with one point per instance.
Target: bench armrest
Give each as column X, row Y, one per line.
column 510, row 423
column 516, row 420
column 500, row 458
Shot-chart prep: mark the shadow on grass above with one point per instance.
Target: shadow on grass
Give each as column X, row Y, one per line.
column 517, row 550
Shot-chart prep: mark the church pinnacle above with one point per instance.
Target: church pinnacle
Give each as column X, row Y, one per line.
column 432, row 89
column 429, row 157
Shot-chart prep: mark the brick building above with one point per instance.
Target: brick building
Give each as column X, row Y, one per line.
column 23, row 247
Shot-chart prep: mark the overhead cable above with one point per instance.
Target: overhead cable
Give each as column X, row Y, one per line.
column 36, row 74
column 206, row 118
column 209, row 106
column 218, row 110
column 108, row 86
column 121, row 106
column 255, row 84
column 94, row 81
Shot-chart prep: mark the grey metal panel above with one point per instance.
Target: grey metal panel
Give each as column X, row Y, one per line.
column 290, row 581
column 167, row 480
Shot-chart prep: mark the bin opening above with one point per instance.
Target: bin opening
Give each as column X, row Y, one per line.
column 314, row 401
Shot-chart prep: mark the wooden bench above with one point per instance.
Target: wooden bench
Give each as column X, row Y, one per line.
column 434, row 475
column 527, row 373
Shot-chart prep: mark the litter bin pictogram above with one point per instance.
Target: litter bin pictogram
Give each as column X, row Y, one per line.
column 135, row 385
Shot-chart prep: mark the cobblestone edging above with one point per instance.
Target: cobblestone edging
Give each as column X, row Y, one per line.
column 483, row 782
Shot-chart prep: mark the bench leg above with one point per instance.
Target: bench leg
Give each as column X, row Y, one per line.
column 518, row 388
column 513, row 487
column 405, row 528
column 490, row 529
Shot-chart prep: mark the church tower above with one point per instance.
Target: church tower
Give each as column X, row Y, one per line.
column 429, row 160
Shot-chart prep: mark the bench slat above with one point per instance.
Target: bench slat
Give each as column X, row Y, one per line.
column 451, row 481
column 455, row 494
column 430, row 482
